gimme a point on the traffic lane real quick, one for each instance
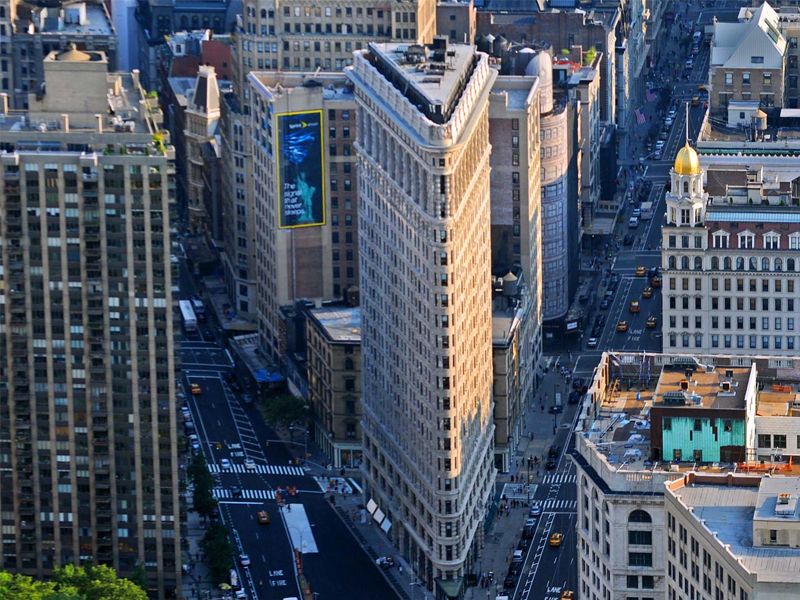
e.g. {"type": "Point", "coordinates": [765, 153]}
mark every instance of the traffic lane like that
{"type": "Point", "coordinates": [267, 546]}
{"type": "Point", "coordinates": [340, 554]}
{"type": "Point", "coordinates": [275, 449]}
{"type": "Point", "coordinates": [215, 415]}
{"type": "Point", "coordinates": [202, 355]}
{"type": "Point", "coordinates": [558, 570]}
{"type": "Point", "coordinates": [636, 321]}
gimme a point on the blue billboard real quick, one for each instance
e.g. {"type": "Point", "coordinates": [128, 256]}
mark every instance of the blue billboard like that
{"type": "Point", "coordinates": [301, 168]}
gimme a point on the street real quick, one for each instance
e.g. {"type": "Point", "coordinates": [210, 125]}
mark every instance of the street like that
{"type": "Point", "coordinates": [228, 429]}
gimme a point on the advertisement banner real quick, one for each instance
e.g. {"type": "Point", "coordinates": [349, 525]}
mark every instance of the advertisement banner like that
{"type": "Point", "coordinates": [301, 169]}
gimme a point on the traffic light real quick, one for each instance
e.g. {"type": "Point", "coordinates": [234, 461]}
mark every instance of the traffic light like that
{"type": "Point", "coordinates": [219, 446]}
{"type": "Point", "coordinates": [266, 443]}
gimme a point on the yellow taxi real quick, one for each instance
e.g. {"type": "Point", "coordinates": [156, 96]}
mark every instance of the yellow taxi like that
{"type": "Point", "coordinates": [567, 595]}
{"type": "Point", "coordinates": [556, 538]}
{"type": "Point", "coordinates": [622, 326]}
{"type": "Point", "coordinates": [634, 308]}
{"type": "Point", "coordinates": [195, 388]}
{"type": "Point", "coordinates": [641, 271]}
{"type": "Point", "coordinates": [263, 517]}
{"type": "Point", "coordinates": [655, 282]}
{"type": "Point", "coordinates": [647, 292]}
{"type": "Point", "coordinates": [695, 100]}
{"type": "Point", "coordinates": [701, 88]}
{"type": "Point", "coordinates": [651, 322]}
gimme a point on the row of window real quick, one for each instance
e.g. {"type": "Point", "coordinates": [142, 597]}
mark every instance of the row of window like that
{"type": "Point", "coordinates": [767, 342]}
{"type": "Point", "coordinates": [752, 264]}
{"type": "Point", "coordinates": [767, 440]}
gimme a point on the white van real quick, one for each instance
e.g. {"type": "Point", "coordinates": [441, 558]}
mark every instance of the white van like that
{"type": "Point", "coordinates": [633, 222]}
{"type": "Point", "coordinates": [517, 556]}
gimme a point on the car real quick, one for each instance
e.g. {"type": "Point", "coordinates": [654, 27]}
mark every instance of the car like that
{"type": "Point", "coordinates": [188, 427]}
{"type": "Point", "coordinates": [509, 582]}
{"type": "Point", "coordinates": [672, 112]}
{"type": "Point", "coordinates": [702, 89]}
{"type": "Point", "coordinates": [604, 304]}
{"type": "Point", "coordinates": [244, 560]}
{"type": "Point", "coordinates": [641, 271]}
{"type": "Point", "coordinates": [660, 144]}
{"type": "Point", "coordinates": [600, 320]}
{"type": "Point", "coordinates": [225, 464]}
{"type": "Point", "coordinates": [592, 343]}
{"type": "Point", "coordinates": [567, 595]}
{"type": "Point", "coordinates": [597, 331]}
{"type": "Point", "coordinates": [634, 307]}
{"type": "Point", "coordinates": [695, 51]}
{"type": "Point", "coordinates": [695, 100]}
{"type": "Point", "coordinates": [530, 522]}
{"type": "Point", "coordinates": [628, 240]}
{"type": "Point", "coordinates": [651, 322]}
{"type": "Point", "coordinates": [247, 398]}
{"type": "Point", "coordinates": [192, 437]}
{"type": "Point", "coordinates": [657, 154]}
{"type": "Point", "coordinates": [612, 287]}
{"type": "Point", "coordinates": [195, 449]}
{"type": "Point", "coordinates": [249, 463]}
{"type": "Point", "coordinates": [524, 544]}
{"type": "Point", "coordinates": [518, 556]}
{"type": "Point", "coordinates": [555, 410]}
{"type": "Point", "coordinates": [655, 282]}
{"type": "Point", "coordinates": [236, 491]}
{"type": "Point", "coordinates": [195, 389]}
{"type": "Point", "coordinates": [535, 510]}
{"type": "Point", "coordinates": [574, 397]}
{"type": "Point", "coordinates": [614, 278]}
{"type": "Point", "coordinates": [637, 212]}
{"type": "Point", "coordinates": [263, 517]}
{"type": "Point", "coordinates": [556, 539]}
{"type": "Point", "coordinates": [689, 64]}
{"type": "Point", "coordinates": [187, 415]}
{"type": "Point", "coordinates": [551, 463]}
{"type": "Point", "coordinates": [647, 292]}
{"type": "Point", "coordinates": [577, 383]}
{"type": "Point", "coordinates": [208, 336]}
{"type": "Point", "coordinates": [622, 326]}
{"type": "Point", "coordinates": [663, 135]}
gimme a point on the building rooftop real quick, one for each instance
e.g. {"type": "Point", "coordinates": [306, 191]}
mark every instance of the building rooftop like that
{"type": "Point", "coordinates": [82, 18]}
{"type": "Point", "coordinates": [735, 44]}
{"type": "Point", "coordinates": [431, 77]}
{"type": "Point", "coordinates": [728, 511]}
{"type": "Point", "coordinates": [335, 86]}
{"type": "Point", "coordinates": [778, 501]}
{"type": "Point", "coordinates": [720, 388]}
{"type": "Point", "coordinates": [340, 323]}
{"type": "Point", "coordinates": [755, 213]}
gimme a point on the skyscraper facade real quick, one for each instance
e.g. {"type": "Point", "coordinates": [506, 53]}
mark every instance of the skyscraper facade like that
{"type": "Point", "coordinates": [89, 466]}
{"type": "Point", "coordinates": [425, 256]}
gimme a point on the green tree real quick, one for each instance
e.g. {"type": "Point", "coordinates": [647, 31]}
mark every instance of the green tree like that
{"type": "Point", "coordinates": [202, 495]}
{"type": "Point", "coordinates": [20, 587]}
{"type": "Point", "coordinates": [139, 577]}
{"type": "Point", "coordinates": [97, 583]}
{"type": "Point", "coordinates": [219, 551]}
{"type": "Point", "coordinates": [284, 409]}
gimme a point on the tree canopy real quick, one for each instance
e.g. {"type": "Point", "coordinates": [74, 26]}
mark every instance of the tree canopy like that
{"type": "Point", "coordinates": [284, 409]}
{"type": "Point", "coordinates": [71, 583]}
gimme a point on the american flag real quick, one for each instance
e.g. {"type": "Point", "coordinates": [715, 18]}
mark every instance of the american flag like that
{"type": "Point", "coordinates": [651, 95]}
{"type": "Point", "coordinates": [641, 119]}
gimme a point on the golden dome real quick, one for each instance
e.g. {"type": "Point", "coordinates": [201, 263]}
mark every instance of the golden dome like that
{"type": "Point", "coordinates": [687, 162]}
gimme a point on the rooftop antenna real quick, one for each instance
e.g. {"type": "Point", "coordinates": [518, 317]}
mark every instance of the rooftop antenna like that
{"type": "Point", "coordinates": [687, 123]}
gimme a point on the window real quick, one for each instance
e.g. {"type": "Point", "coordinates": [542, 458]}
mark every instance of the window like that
{"type": "Point", "coordinates": [633, 582]}
{"type": "Point", "coordinates": [640, 559]}
{"type": "Point", "coordinates": [779, 441]}
{"type": "Point", "coordinates": [639, 516]}
{"type": "Point", "coordinates": [640, 538]}
{"type": "Point", "coordinates": [757, 60]}
{"type": "Point", "coordinates": [728, 78]}
{"type": "Point", "coordinates": [767, 79]}
{"type": "Point", "coordinates": [745, 78]}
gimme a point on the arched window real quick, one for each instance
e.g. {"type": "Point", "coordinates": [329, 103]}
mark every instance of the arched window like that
{"type": "Point", "coordinates": [790, 264]}
{"type": "Point", "coordinates": [184, 22]}
{"type": "Point", "coordinates": [698, 340]}
{"type": "Point", "coordinates": [714, 263]}
{"type": "Point", "coordinates": [739, 263]}
{"type": "Point", "coordinates": [778, 264]}
{"type": "Point", "coordinates": [685, 262]}
{"type": "Point", "coordinates": [765, 264]}
{"type": "Point", "coordinates": [594, 494]}
{"type": "Point", "coordinates": [728, 263]}
{"type": "Point", "coordinates": [698, 263]}
{"type": "Point", "coordinates": [672, 262]}
{"type": "Point", "coordinates": [694, 186]}
{"type": "Point", "coordinates": [263, 13]}
{"type": "Point", "coordinates": [639, 516]}
{"type": "Point", "coordinates": [685, 187]}
{"type": "Point", "coordinates": [753, 263]}
{"type": "Point", "coordinates": [348, 364]}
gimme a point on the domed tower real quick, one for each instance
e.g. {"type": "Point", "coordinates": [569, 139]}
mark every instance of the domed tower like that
{"type": "Point", "coordinates": [686, 200]}
{"type": "Point", "coordinates": [541, 66]}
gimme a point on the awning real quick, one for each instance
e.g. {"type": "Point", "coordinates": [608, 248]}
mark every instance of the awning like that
{"type": "Point", "coordinates": [790, 113]}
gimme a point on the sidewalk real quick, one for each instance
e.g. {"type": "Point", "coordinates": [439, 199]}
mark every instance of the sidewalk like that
{"type": "Point", "coordinates": [197, 584]}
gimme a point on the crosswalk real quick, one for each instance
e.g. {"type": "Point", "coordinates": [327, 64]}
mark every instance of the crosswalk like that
{"type": "Point", "coordinates": [225, 493]}
{"type": "Point", "coordinates": [262, 469]}
{"type": "Point", "coordinates": [559, 478]}
{"type": "Point", "coordinates": [550, 505]}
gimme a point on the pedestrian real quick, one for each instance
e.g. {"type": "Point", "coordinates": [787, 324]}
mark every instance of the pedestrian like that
{"type": "Point", "coordinates": [400, 568]}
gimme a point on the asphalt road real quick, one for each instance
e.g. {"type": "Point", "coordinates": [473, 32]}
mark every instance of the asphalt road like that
{"type": "Point", "coordinates": [227, 428]}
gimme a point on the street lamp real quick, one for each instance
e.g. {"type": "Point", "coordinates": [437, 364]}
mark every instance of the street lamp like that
{"type": "Point", "coordinates": [300, 532]}
{"type": "Point", "coordinates": [305, 440]}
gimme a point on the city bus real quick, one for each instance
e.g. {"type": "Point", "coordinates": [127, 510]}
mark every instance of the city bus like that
{"type": "Point", "coordinates": [189, 318]}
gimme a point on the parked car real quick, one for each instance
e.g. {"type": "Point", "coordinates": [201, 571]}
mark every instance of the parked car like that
{"type": "Point", "coordinates": [225, 464]}
{"type": "Point", "coordinates": [592, 343]}
{"type": "Point", "coordinates": [208, 335]}
{"type": "Point", "coordinates": [247, 398]}
{"type": "Point", "coordinates": [555, 410]}
{"type": "Point", "coordinates": [604, 304]}
{"type": "Point", "coordinates": [535, 510]}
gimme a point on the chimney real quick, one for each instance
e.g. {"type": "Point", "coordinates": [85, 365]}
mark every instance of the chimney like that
{"type": "Point", "coordinates": [3, 104]}
{"type": "Point", "coordinates": [65, 123]}
{"type": "Point", "coordinates": [99, 118]}
{"type": "Point", "coordinates": [135, 76]}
